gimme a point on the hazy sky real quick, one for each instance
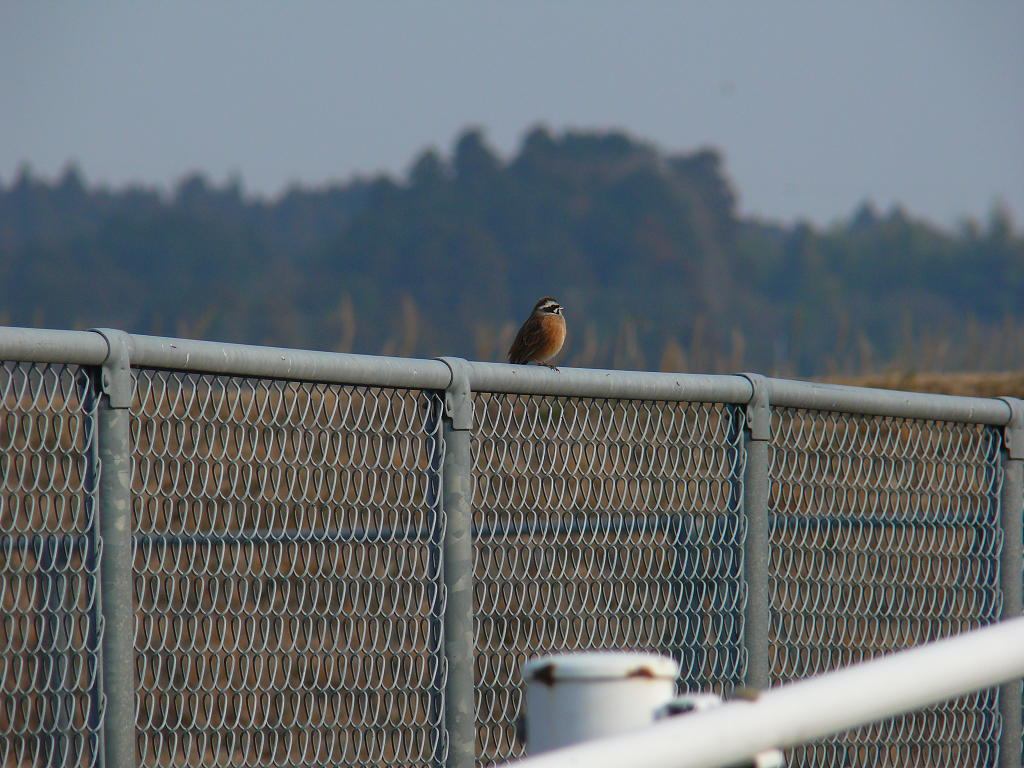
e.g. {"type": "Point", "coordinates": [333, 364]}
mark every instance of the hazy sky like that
{"type": "Point", "coordinates": [816, 105]}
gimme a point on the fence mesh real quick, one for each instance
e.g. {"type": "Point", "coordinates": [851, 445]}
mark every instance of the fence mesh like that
{"type": "Point", "coordinates": [287, 562]}
{"type": "Point", "coordinates": [603, 524]}
{"type": "Point", "coordinates": [885, 535]}
{"type": "Point", "coordinates": [50, 703]}
{"type": "Point", "coordinates": [287, 580]}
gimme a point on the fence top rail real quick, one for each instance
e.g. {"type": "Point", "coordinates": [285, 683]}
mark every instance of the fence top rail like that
{"type": "Point", "coordinates": [282, 363]}
{"type": "Point", "coordinates": [36, 345]}
{"type": "Point", "coordinates": [90, 348]}
{"type": "Point", "coordinates": [603, 383]}
{"type": "Point", "coordinates": [887, 402]}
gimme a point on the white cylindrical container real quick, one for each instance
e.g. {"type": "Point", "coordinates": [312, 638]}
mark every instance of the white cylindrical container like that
{"type": "Point", "coordinates": [574, 697]}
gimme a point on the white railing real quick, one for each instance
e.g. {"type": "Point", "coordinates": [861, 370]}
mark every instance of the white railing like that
{"type": "Point", "coordinates": [803, 711]}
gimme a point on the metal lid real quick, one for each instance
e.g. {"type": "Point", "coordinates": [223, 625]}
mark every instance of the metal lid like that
{"type": "Point", "coordinates": [600, 665]}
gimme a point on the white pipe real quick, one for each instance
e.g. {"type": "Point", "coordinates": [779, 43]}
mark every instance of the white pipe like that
{"type": "Point", "coordinates": [575, 697]}
{"type": "Point", "coordinates": [803, 711]}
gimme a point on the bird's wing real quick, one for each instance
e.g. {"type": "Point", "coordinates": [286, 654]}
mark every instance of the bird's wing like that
{"type": "Point", "coordinates": [528, 341]}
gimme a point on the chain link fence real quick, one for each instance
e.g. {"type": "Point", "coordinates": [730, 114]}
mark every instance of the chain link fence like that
{"type": "Point", "coordinates": [295, 597]}
{"type": "Point", "coordinates": [886, 534]}
{"type": "Point", "coordinates": [603, 524]}
{"type": "Point", "coordinates": [286, 572]}
{"type": "Point", "coordinates": [50, 627]}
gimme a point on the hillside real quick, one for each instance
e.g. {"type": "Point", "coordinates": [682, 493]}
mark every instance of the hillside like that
{"type": "Point", "coordinates": [646, 249]}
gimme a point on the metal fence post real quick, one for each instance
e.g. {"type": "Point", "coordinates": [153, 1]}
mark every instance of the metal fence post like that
{"type": "Point", "coordinates": [1010, 570]}
{"type": "Point", "coordinates": [755, 546]}
{"type": "Point", "coordinates": [457, 566]}
{"type": "Point", "coordinates": [115, 529]}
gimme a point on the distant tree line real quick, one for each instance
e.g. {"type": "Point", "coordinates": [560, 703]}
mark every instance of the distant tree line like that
{"type": "Point", "coordinates": [646, 250]}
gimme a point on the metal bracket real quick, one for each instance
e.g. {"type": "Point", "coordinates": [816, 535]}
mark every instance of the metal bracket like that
{"type": "Point", "coordinates": [759, 412]}
{"type": "Point", "coordinates": [1013, 432]}
{"type": "Point", "coordinates": [116, 377]}
{"type": "Point", "coordinates": [458, 399]}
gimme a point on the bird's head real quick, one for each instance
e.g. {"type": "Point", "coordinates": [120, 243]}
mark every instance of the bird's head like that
{"type": "Point", "coordinates": [547, 306]}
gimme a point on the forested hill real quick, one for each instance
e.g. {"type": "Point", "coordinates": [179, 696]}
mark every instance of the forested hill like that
{"type": "Point", "coordinates": [645, 249]}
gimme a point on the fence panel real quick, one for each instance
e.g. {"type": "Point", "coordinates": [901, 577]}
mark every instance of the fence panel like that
{"type": "Point", "coordinates": [289, 547]}
{"type": "Point", "coordinates": [603, 524]}
{"type": "Point", "coordinates": [287, 575]}
{"type": "Point", "coordinates": [50, 634]}
{"type": "Point", "coordinates": [885, 536]}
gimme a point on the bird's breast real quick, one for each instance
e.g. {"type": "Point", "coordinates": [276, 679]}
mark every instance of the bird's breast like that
{"type": "Point", "coordinates": [554, 336]}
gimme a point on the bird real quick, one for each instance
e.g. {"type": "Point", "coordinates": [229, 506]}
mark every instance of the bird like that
{"type": "Point", "coordinates": [541, 336]}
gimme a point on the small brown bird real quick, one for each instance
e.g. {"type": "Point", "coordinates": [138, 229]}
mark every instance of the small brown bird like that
{"type": "Point", "coordinates": [541, 336]}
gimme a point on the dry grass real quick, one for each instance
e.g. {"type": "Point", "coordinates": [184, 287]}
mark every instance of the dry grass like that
{"type": "Point", "coordinates": [995, 384]}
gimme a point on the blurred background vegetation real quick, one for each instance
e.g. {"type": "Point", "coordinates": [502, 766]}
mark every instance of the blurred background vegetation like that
{"type": "Point", "coordinates": [647, 251]}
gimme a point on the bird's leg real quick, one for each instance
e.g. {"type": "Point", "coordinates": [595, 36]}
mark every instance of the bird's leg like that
{"type": "Point", "coordinates": [552, 367]}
